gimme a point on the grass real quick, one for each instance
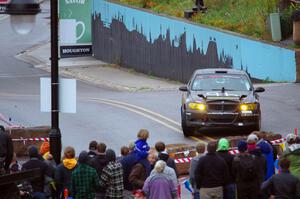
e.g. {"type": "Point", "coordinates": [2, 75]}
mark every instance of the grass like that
{"type": "Point", "coordinates": [247, 17]}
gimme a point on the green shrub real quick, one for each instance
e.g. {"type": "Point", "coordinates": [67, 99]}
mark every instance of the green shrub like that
{"type": "Point", "coordinates": [248, 17]}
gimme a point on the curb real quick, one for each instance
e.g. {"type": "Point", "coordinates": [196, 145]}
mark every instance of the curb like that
{"type": "Point", "coordinates": [65, 69]}
{"type": "Point", "coordinates": [30, 59]}
{"type": "Point", "coordinates": [3, 16]}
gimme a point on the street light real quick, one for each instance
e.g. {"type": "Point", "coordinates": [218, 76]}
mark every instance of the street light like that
{"type": "Point", "coordinates": [22, 20]}
{"type": "Point", "coordinates": [22, 15]}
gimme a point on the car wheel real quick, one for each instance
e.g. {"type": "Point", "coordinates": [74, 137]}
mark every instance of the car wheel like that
{"type": "Point", "coordinates": [187, 131]}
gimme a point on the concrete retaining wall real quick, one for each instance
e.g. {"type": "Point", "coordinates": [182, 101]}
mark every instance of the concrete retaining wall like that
{"type": "Point", "coordinates": [174, 48]}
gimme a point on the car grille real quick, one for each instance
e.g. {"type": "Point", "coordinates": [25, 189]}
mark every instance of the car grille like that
{"type": "Point", "coordinates": [222, 106]}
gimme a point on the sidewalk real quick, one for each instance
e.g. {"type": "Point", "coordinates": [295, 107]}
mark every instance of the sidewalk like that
{"type": "Point", "coordinates": [93, 71]}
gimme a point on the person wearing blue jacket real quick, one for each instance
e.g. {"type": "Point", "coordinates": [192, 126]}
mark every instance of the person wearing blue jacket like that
{"type": "Point", "coordinates": [267, 152]}
{"type": "Point", "coordinates": [141, 146]}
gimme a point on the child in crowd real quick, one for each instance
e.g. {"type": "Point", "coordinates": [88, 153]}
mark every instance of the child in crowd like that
{"type": "Point", "coordinates": [141, 145]}
{"type": "Point", "coordinates": [124, 152]}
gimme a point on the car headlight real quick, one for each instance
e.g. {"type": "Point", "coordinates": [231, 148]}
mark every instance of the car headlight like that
{"type": "Point", "coordinates": [248, 107]}
{"type": "Point", "coordinates": [197, 106]}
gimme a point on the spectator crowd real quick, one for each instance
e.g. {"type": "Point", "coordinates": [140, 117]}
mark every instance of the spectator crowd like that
{"type": "Point", "coordinates": [258, 171]}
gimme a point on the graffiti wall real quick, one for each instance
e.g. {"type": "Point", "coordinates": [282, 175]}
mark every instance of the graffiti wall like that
{"type": "Point", "coordinates": [173, 49]}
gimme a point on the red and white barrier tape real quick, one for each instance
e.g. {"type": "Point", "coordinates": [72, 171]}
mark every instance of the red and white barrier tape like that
{"type": "Point", "coordinates": [279, 141]}
{"type": "Point", "coordinates": [234, 151]}
{"type": "Point", "coordinates": [183, 160]}
{"type": "Point", "coordinates": [21, 139]}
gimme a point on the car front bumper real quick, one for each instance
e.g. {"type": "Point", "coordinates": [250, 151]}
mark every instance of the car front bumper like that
{"type": "Point", "coordinates": [222, 119]}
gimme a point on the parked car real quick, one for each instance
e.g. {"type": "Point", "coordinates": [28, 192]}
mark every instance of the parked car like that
{"type": "Point", "coordinates": [220, 98]}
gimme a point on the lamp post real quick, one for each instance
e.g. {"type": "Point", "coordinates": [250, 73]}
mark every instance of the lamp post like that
{"type": "Point", "coordinates": [22, 14]}
{"type": "Point", "coordinates": [55, 136]}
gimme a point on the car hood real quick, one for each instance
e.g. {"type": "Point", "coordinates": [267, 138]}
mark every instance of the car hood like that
{"type": "Point", "coordinates": [219, 95]}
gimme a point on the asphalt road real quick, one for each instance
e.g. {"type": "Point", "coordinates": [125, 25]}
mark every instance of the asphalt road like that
{"type": "Point", "coordinates": [107, 115]}
{"type": "Point", "coordinates": [111, 116]}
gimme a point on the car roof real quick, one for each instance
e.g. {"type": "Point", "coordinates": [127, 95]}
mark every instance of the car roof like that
{"type": "Point", "coordinates": [220, 70]}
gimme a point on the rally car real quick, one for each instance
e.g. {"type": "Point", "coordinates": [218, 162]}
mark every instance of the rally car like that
{"type": "Point", "coordinates": [220, 98]}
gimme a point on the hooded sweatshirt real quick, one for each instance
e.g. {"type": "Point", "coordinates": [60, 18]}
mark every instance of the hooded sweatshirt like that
{"type": "Point", "coordinates": [98, 163]}
{"type": "Point", "coordinates": [267, 151]}
{"type": "Point", "coordinates": [141, 149]}
{"type": "Point", "coordinates": [63, 174]}
{"type": "Point", "coordinates": [222, 151]}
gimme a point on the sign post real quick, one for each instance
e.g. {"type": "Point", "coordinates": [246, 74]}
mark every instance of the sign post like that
{"type": "Point", "coordinates": [75, 28]}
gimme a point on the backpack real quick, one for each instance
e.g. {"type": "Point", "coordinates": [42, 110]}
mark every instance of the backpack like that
{"type": "Point", "coordinates": [247, 170]}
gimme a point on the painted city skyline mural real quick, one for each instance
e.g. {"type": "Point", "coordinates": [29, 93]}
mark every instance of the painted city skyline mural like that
{"type": "Point", "coordinates": [172, 48]}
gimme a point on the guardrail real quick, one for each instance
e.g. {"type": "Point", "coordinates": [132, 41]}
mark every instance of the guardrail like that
{"type": "Point", "coordinates": [20, 176]}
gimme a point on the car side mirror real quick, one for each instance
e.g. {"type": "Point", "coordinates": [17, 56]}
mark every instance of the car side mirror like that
{"type": "Point", "coordinates": [259, 90]}
{"type": "Point", "coordinates": [183, 88]}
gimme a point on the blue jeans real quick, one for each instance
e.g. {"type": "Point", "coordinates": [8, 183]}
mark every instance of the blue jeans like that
{"type": "Point", "coordinates": [230, 191]}
{"type": "Point", "coordinates": [196, 195]}
{"type": "Point", "coordinates": [39, 195]}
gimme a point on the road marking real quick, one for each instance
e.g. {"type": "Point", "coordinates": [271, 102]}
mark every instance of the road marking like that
{"type": "Point", "coordinates": [21, 75]}
{"type": "Point", "coordinates": [153, 113]}
{"type": "Point", "coordinates": [132, 108]}
{"type": "Point", "coordinates": [3, 94]}
{"type": "Point", "coordinates": [138, 112]}
{"type": "Point", "coordinates": [146, 113]}
{"type": "Point", "coordinates": [209, 138]}
{"type": "Point", "coordinates": [198, 139]}
{"type": "Point", "coordinates": [140, 108]}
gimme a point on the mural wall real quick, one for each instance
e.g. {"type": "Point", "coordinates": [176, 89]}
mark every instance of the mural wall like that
{"type": "Point", "coordinates": [173, 49]}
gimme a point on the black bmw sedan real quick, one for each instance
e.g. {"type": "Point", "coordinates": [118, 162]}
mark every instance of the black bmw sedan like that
{"type": "Point", "coordinates": [220, 98]}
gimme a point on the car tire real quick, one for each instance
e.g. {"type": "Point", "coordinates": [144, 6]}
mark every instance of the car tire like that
{"type": "Point", "coordinates": [187, 131]}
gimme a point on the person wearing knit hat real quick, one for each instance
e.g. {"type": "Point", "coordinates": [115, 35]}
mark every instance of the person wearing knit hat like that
{"type": "Point", "coordinates": [84, 179]}
{"type": "Point", "coordinates": [223, 145]}
{"type": "Point", "coordinates": [245, 172]}
{"type": "Point", "coordinates": [36, 162]}
{"type": "Point", "coordinates": [112, 176]}
{"type": "Point", "coordinates": [222, 151]}
{"type": "Point", "coordinates": [242, 146]}
{"type": "Point", "coordinates": [93, 149]}
{"type": "Point", "coordinates": [251, 142]}
{"type": "Point", "coordinates": [33, 152]}
{"type": "Point", "coordinates": [252, 138]}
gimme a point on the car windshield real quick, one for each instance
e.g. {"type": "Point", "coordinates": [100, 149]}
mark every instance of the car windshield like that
{"type": "Point", "coordinates": [217, 82]}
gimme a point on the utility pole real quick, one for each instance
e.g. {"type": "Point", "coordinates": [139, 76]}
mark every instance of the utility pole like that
{"type": "Point", "coordinates": [55, 135]}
